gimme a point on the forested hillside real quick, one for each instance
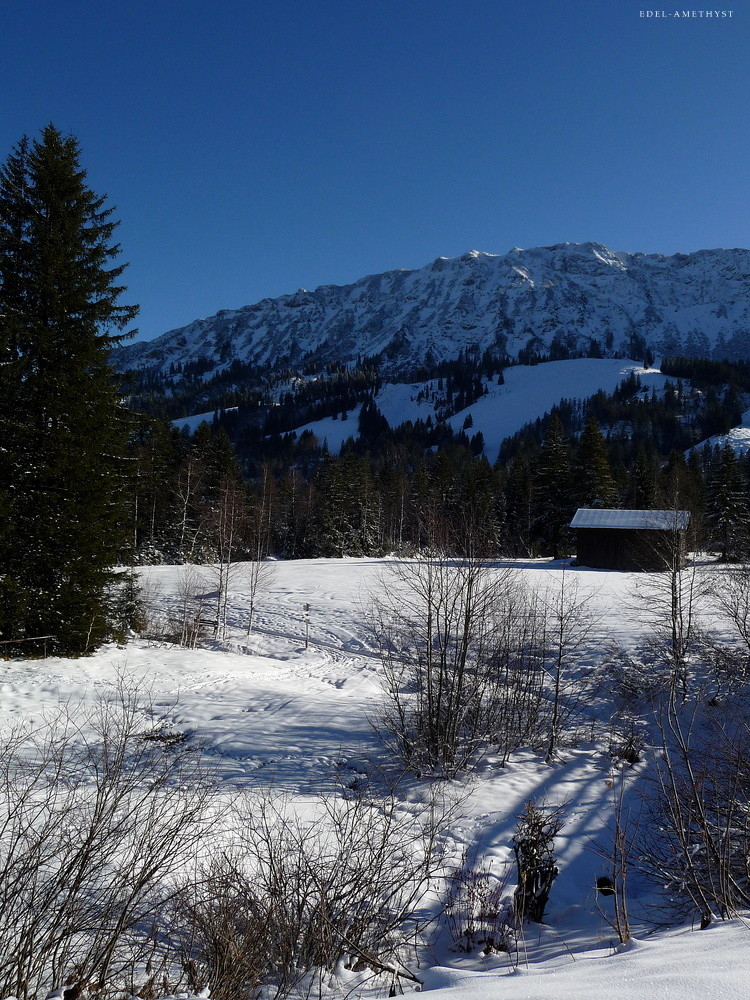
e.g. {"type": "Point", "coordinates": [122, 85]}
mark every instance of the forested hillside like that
{"type": "Point", "coordinates": [394, 488]}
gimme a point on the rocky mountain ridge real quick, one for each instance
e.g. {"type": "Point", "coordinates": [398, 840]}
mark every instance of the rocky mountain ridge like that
{"type": "Point", "coordinates": [569, 299]}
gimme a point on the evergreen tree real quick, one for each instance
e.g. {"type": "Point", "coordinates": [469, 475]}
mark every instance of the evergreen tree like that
{"type": "Point", "coordinates": [553, 509]}
{"type": "Point", "coordinates": [727, 510]}
{"type": "Point", "coordinates": [62, 428]}
{"type": "Point", "coordinates": [519, 490]}
{"type": "Point", "coordinates": [593, 483]}
{"type": "Point", "coordinates": [642, 482]}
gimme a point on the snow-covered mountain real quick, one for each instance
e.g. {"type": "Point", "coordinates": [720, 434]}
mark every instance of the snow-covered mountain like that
{"type": "Point", "coordinates": [570, 294]}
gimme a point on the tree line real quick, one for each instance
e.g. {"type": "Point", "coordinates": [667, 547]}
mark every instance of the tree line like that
{"type": "Point", "coordinates": [400, 489]}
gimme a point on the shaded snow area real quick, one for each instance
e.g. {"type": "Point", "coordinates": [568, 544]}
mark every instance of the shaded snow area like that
{"type": "Point", "coordinates": [289, 709]}
{"type": "Point", "coordinates": [738, 438]}
{"type": "Point", "coordinates": [529, 392]}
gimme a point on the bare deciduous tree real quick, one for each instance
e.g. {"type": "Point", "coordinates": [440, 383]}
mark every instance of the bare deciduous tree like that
{"type": "Point", "coordinates": [188, 529]}
{"type": "Point", "coordinates": [473, 661]}
{"type": "Point", "coordinates": [519, 662]}
{"type": "Point", "coordinates": [617, 854]}
{"type": "Point", "coordinates": [569, 623]}
{"type": "Point", "coordinates": [669, 602]}
{"type": "Point", "coordinates": [257, 571]}
{"type": "Point", "coordinates": [437, 626]}
{"type": "Point", "coordinates": [226, 531]}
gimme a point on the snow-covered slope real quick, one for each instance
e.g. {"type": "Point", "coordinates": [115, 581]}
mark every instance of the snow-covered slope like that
{"type": "Point", "coordinates": [695, 304]}
{"type": "Point", "coordinates": [738, 438]}
{"type": "Point", "coordinates": [529, 391]}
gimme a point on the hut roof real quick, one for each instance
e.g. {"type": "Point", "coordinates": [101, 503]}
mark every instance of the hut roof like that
{"type": "Point", "coordinates": [649, 520]}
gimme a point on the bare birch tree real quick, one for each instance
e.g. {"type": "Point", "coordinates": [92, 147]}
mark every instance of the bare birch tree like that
{"type": "Point", "coordinates": [257, 571]}
{"type": "Point", "coordinates": [569, 623]}
{"type": "Point", "coordinates": [227, 527]}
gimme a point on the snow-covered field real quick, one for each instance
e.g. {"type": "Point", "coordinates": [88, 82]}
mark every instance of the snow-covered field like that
{"type": "Point", "coordinates": [289, 707]}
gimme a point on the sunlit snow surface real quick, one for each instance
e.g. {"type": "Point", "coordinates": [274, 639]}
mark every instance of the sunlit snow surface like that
{"type": "Point", "coordinates": [273, 713]}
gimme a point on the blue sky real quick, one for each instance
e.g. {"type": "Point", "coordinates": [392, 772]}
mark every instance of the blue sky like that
{"type": "Point", "coordinates": [253, 148]}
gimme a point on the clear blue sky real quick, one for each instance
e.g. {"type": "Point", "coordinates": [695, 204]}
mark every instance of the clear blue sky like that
{"type": "Point", "coordinates": [253, 148]}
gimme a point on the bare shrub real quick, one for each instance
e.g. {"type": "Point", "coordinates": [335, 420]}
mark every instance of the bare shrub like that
{"type": "Point", "coordinates": [627, 736]}
{"type": "Point", "coordinates": [191, 616]}
{"type": "Point", "coordinates": [636, 681]}
{"type": "Point", "coordinates": [95, 822]}
{"type": "Point", "coordinates": [700, 804]}
{"type": "Point", "coordinates": [297, 896]}
{"type": "Point", "coordinates": [463, 653]}
{"type": "Point", "coordinates": [476, 907]}
{"type": "Point", "coordinates": [219, 932]}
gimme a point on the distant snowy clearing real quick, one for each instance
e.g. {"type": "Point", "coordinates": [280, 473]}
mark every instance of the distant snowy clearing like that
{"type": "Point", "coordinates": [529, 392]}
{"type": "Point", "coordinates": [738, 438]}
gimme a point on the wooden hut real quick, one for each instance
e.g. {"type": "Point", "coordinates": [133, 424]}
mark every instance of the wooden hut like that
{"type": "Point", "coordinates": [631, 540]}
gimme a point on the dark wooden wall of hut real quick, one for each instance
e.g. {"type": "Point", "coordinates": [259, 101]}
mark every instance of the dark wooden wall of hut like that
{"type": "Point", "coordinates": [629, 550]}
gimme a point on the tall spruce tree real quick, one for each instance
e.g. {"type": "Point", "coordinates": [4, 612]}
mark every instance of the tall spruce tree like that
{"type": "Point", "coordinates": [62, 428]}
{"type": "Point", "coordinates": [593, 483]}
{"type": "Point", "coordinates": [553, 508]}
{"type": "Point", "coordinates": [727, 507]}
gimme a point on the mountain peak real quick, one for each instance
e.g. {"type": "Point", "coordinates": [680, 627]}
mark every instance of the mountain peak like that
{"type": "Point", "coordinates": [562, 298]}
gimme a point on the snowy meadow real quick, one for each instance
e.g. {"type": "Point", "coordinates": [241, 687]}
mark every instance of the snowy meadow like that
{"type": "Point", "coordinates": [311, 845]}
